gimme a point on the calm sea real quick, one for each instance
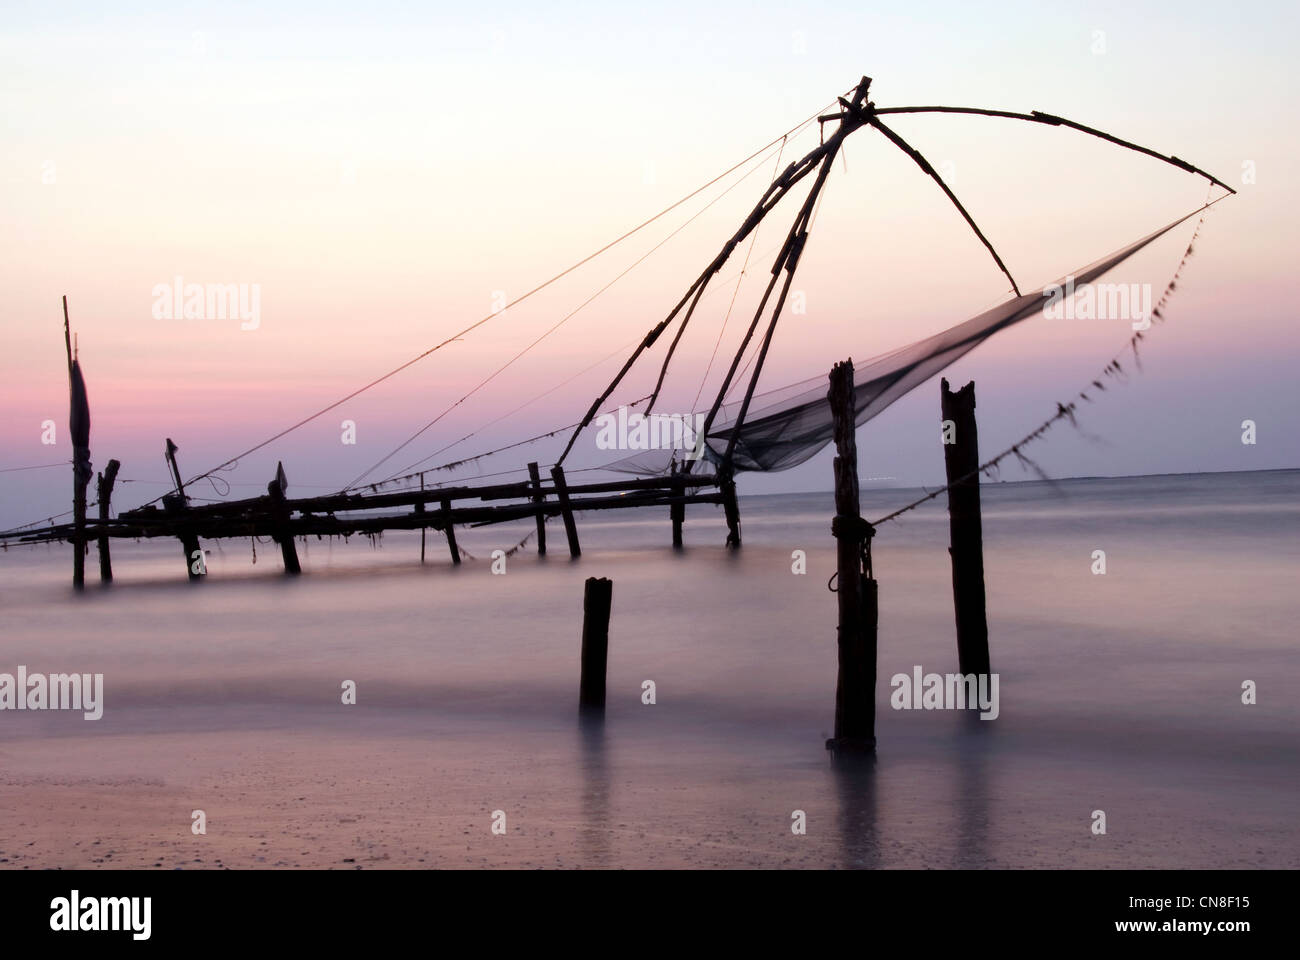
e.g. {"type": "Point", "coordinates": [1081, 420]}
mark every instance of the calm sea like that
{"type": "Point", "coordinates": [1119, 692]}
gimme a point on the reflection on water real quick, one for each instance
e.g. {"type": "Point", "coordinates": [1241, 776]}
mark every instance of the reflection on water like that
{"type": "Point", "coordinates": [593, 829]}
{"type": "Point", "coordinates": [855, 784]}
{"type": "Point", "coordinates": [972, 795]}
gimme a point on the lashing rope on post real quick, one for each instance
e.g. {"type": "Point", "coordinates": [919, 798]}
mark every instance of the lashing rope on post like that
{"type": "Point", "coordinates": [853, 528]}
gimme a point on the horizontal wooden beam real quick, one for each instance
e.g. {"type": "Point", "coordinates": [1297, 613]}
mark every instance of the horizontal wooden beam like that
{"type": "Point", "coordinates": [336, 503]}
{"type": "Point", "coordinates": [266, 523]}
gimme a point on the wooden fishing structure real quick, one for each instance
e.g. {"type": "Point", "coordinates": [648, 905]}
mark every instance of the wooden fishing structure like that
{"type": "Point", "coordinates": [773, 438]}
{"type": "Point", "coordinates": [732, 441]}
{"type": "Point", "coordinates": [283, 519]}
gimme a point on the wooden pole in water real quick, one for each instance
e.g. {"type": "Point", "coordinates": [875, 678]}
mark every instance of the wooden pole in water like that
{"type": "Point", "coordinates": [855, 689]}
{"type": "Point", "coordinates": [283, 535]}
{"type": "Point", "coordinates": [534, 474]}
{"type": "Point", "coordinates": [562, 494]}
{"type": "Point", "coordinates": [596, 602]}
{"type": "Point", "coordinates": [176, 503]}
{"type": "Point", "coordinates": [450, 530]}
{"type": "Point", "coordinates": [961, 459]}
{"type": "Point", "coordinates": [730, 509]}
{"type": "Point", "coordinates": [79, 428]}
{"type": "Point", "coordinates": [677, 512]}
{"type": "Point", "coordinates": [419, 508]}
{"type": "Point", "coordinates": [79, 534]}
{"type": "Point", "coordinates": [104, 494]}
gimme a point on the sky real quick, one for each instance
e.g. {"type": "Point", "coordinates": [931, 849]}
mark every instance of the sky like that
{"type": "Point", "coordinates": [383, 176]}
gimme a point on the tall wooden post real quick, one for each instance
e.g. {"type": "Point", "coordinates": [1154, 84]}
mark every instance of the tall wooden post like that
{"type": "Point", "coordinates": [79, 484]}
{"type": "Point", "coordinates": [730, 509]}
{"type": "Point", "coordinates": [176, 503]}
{"type": "Point", "coordinates": [283, 534]}
{"type": "Point", "coordinates": [450, 530]}
{"type": "Point", "coordinates": [677, 512]}
{"type": "Point", "coordinates": [79, 429]}
{"type": "Point", "coordinates": [961, 459]}
{"type": "Point", "coordinates": [562, 494]}
{"type": "Point", "coordinates": [596, 602]}
{"type": "Point", "coordinates": [419, 508]}
{"type": "Point", "coordinates": [104, 494]}
{"type": "Point", "coordinates": [534, 474]}
{"type": "Point", "coordinates": [855, 689]}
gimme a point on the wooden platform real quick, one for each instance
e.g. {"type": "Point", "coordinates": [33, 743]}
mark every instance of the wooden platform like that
{"type": "Point", "coordinates": [437, 508]}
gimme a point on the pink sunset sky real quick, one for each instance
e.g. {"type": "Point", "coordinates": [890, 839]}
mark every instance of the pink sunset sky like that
{"type": "Point", "coordinates": [384, 176]}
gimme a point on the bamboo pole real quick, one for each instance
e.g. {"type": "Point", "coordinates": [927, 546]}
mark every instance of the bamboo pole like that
{"type": "Point", "coordinates": [851, 119]}
{"type": "Point", "coordinates": [776, 191]}
{"type": "Point", "coordinates": [1037, 116]}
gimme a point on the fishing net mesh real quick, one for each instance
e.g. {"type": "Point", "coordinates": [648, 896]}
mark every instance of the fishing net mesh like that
{"type": "Point", "coordinates": [795, 422]}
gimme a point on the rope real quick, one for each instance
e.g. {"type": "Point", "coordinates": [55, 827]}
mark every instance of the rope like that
{"type": "Point", "coordinates": [510, 413]}
{"type": "Point", "coordinates": [405, 474]}
{"type": "Point", "coordinates": [520, 299]}
{"type": "Point", "coordinates": [509, 553]}
{"type": "Point", "coordinates": [37, 466]}
{"type": "Point", "coordinates": [510, 446]}
{"type": "Point", "coordinates": [744, 267]}
{"type": "Point", "coordinates": [492, 376]}
{"type": "Point", "coordinates": [1066, 411]}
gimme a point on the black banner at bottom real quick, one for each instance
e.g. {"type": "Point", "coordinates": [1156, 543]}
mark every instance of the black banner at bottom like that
{"type": "Point", "coordinates": [982, 909]}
